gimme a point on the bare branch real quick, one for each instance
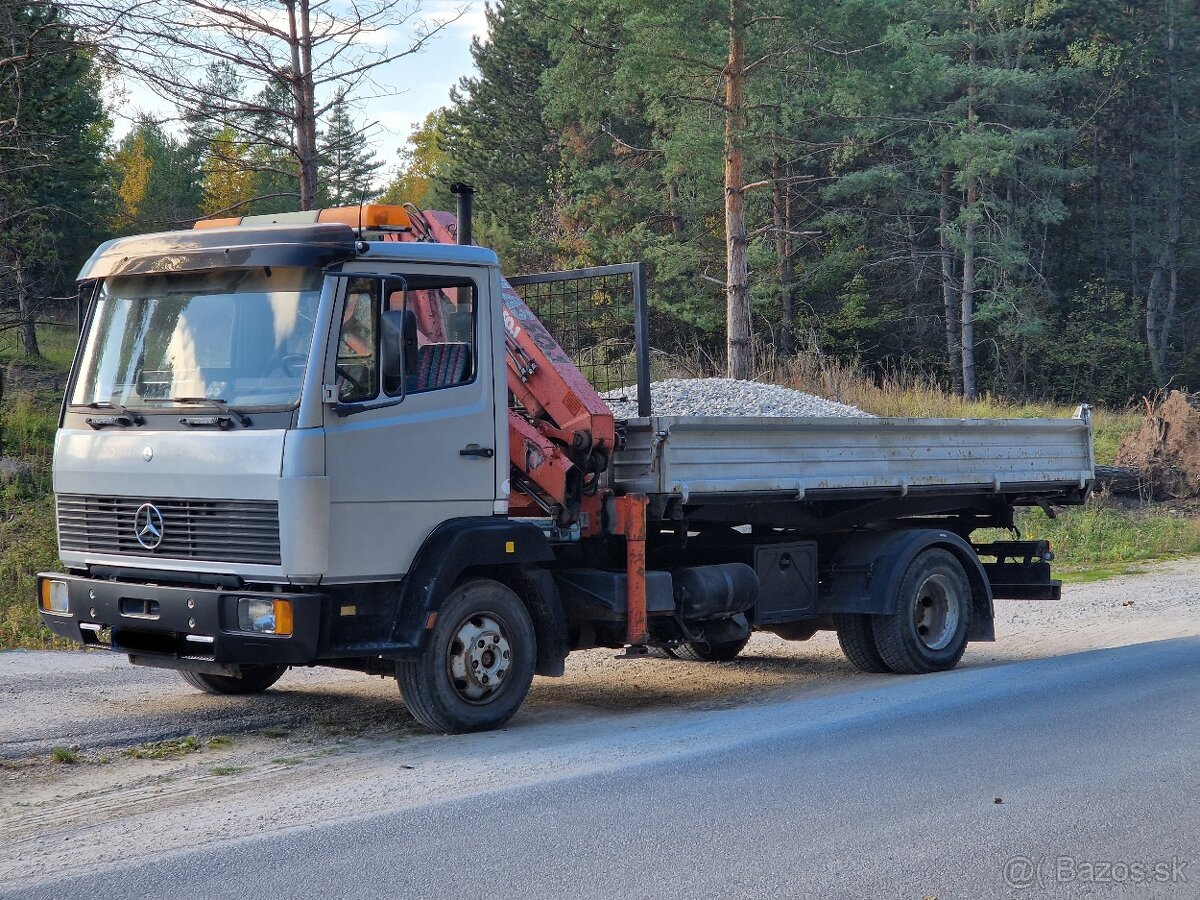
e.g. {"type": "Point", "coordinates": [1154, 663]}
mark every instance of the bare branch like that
{"type": "Point", "coordinates": [311, 53]}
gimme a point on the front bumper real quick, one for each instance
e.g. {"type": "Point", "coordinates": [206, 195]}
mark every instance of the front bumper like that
{"type": "Point", "coordinates": [180, 626]}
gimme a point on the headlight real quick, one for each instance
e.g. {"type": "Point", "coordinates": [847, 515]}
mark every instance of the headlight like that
{"type": "Point", "coordinates": [265, 615]}
{"type": "Point", "coordinates": [54, 596]}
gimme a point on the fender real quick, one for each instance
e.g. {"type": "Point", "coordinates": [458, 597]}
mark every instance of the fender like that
{"type": "Point", "coordinates": [454, 547]}
{"type": "Point", "coordinates": [866, 572]}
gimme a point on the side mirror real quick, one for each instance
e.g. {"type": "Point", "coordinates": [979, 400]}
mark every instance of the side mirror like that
{"type": "Point", "coordinates": [398, 348]}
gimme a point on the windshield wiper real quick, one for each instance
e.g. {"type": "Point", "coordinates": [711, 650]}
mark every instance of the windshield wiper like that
{"type": "Point", "coordinates": [127, 416]}
{"type": "Point", "coordinates": [240, 417]}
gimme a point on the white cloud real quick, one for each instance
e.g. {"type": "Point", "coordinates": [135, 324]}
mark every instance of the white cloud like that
{"type": "Point", "coordinates": [382, 38]}
{"type": "Point", "coordinates": [472, 23]}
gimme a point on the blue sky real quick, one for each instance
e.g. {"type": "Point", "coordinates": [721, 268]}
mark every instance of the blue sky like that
{"type": "Point", "coordinates": [414, 85]}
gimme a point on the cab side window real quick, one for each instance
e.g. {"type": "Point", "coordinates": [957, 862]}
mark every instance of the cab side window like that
{"type": "Point", "coordinates": [446, 313]}
{"type": "Point", "coordinates": [358, 343]}
{"type": "Point", "coordinates": [434, 316]}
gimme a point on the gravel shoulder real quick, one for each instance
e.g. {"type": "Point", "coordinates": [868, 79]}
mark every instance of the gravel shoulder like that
{"type": "Point", "coordinates": [328, 746]}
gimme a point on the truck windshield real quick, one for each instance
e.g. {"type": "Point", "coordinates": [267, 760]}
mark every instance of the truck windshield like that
{"type": "Point", "coordinates": [240, 336]}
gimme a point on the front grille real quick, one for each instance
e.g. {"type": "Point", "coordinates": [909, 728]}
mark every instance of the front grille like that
{"type": "Point", "coordinates": [244, 531]}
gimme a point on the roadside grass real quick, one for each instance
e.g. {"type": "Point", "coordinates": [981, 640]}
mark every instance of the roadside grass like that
{"type": "Point", "coordinates": [911, 395]}
{"type": "Point", "coordinates": [1102, 540]}
{"type": "Point", "coordinates": [64, 755]}
{"type": "Point", "coordinates": [28, 419]}
{"type": "Point", "coordinates": [27, 546]}
{"type": "Point", "coordinates": [168, 749]}
{"type": "Point", "coordinates": [56, 340]}
{"type": "Point", "coordinates": [1096, 573]}
{"type": "Point", "coordinates": [332, 727]}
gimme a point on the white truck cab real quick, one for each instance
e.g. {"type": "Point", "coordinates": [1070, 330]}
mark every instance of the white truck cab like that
{"type": "Point", "coordinates": [231, 395]}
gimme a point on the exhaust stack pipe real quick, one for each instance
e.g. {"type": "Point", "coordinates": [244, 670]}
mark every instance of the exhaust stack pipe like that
{"type": "Point", "coordinates": [465, 194]}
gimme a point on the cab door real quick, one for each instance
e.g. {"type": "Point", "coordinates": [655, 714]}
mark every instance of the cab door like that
{"type": "Point", "coordinates": [408, 450]}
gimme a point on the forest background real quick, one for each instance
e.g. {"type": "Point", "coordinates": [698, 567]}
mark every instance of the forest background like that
{"type": "Point", "coordinates": [997, 195]}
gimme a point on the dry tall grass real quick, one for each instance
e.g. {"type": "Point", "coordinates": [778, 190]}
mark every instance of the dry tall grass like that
{"type": "Point", "coordinates": [901, 394]}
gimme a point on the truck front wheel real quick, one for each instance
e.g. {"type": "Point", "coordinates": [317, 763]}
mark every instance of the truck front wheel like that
{"type": "Point", "coordinates": [478, 666]}
{"type": "Point", "coordinates": [253, 680]}
{"type": "Point", "coordinates": [928, 631]}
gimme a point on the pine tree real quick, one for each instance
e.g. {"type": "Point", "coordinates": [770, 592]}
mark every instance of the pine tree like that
{"type": "Point", "coordinates": [154, 180]}
{"type": "Point", "coordinates": [968, 165]}
{"type": "Point", "coordinates": [495, 135]}
{"type": "Point", "coordinates": [1141, 107]}
{"type": "Point", "coordinates": [313, 50]}
{"type": "Point", "coordinates": [52, 133]}
{"type": "Point", "coordinates": [270, 156]}
{"type": "Point", "coordinates": [349, 166]}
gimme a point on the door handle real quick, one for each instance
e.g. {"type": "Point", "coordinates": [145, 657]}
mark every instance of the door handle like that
{"type": "Point", "coordinates": [472, 450]}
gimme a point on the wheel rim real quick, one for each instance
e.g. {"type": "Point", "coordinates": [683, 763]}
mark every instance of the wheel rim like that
{"type": "Point", "coordinates": [936, 611]}
{"type": "Point", "coordinates": [480, 658]}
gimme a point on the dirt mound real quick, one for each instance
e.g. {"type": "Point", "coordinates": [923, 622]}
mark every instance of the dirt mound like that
{"type": "Point", "coordinates": [1166, 449]}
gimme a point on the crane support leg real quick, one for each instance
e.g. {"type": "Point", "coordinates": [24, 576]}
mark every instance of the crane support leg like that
{"type": "Point", "coordinates": [631, 522]}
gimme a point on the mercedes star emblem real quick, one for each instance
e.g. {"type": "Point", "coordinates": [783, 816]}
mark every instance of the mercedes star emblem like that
{"type": "Point", "coordinates": [148, 526]}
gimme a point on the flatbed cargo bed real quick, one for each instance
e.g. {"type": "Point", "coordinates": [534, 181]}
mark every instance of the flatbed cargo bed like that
{"type": "Point", "coordinates": [699, 458]}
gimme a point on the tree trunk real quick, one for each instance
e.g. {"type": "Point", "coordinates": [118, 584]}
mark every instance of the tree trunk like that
{"type": "Point", "coordinates": [1135, 276]}
{"type": "Point", "coordinates": [25, 307]}
{"type": "Point", "coordinates": [781, 216]}
{"type": "Point", "coordinates": [969, 390]}
{"type": "Point", "coordinates": [737, 277]}
{"type": "Point", "coordinates": [1162, 294]}
{"type": "Point", "coordinates": [949, 300]}
{"type": "Point", "coordinates": [1099, 220]}
{"type": "Point", "coordinates": [968, 275]}
{"type": "Point", "coordinates": [1175, 203]}
{"type": "Point", "coordinates": [675, 219]}
{"type": "Point", "coordinates": [304, 105]}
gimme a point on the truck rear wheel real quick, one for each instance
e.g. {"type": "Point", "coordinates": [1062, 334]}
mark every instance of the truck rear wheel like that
{"type": "Point", "coordinates": [253, 680]}
{"type": "Point", "coordinates": [928, 631]}
{"type": "Point", "coordinates": [714, 651]}
{"type": "Point", "coordinates": [478, 665]}
{"type": "Point", "coordinates": [855, 635]}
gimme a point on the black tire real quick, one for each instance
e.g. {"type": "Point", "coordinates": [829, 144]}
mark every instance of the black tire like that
{"type": "Point", "coordinates": [928, 631]}
{"type": "Point", "coordinates": [858, 642]}
{"type": "Point", "coordinates": [253, 680]}
{"type": "Point", "coordinates": [452, 687]}
{"type": "Point", "coordinates": [716, 651]}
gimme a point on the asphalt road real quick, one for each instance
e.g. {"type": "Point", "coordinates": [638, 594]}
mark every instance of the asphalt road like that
{"type": "Point", "coordinates": [1075, 776]}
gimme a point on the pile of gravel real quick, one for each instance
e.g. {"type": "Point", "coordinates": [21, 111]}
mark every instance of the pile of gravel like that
{"type": "Point", "coordinates": [726, 397]}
